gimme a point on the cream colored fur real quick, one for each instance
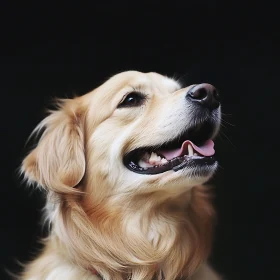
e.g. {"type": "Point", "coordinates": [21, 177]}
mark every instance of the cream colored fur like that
{"type": "Point", "coordinates": [102, 215]}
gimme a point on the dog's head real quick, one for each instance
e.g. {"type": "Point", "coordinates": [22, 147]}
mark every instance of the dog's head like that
{"type": "Point", "coordinates": [127, 147]}
{"type": "Point", "coordinates": [135, 133]}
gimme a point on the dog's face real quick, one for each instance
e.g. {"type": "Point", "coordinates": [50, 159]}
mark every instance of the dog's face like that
{"type": "Point", "coordinates": [135, 133]}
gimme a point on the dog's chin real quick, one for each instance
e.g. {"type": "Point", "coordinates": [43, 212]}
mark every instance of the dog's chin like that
{"type": "Point", "coordinates": [197, 175]}
{"type": "Point", "coordinates": [190, 153]}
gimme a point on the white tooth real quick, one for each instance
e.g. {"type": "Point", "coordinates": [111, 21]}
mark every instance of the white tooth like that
{"type": "Point", "coordinates": [190, 150]}
{"type": "Point", "coordinates": [144, 164]}
{"type": "Point", "coordinates": [195, 154]}
{"type": "Point", "coordinates": [164, 160]}
{"type": "Point", "coordinates": [153, 156]}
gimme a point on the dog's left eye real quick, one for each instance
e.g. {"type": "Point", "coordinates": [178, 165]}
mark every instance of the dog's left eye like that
{"type": "Point", "coordinates": [133, 99]}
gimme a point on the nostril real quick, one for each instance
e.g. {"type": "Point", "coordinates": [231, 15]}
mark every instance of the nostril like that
{"type": "Point", "coordinates": [216, 95]}
{"type": "Point", "coordinates": [199, 94]}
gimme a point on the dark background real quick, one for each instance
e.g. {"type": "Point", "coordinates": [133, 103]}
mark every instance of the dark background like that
{"type": "Point", "coordinates": [50, 50]}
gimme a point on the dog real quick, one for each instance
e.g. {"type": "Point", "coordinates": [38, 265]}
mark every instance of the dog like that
{"type": "Point", "coordinates": [124, 169]}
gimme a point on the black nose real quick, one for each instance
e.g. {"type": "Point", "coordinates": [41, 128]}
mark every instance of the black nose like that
{"type": "Point", "coordinates": [204, 94]}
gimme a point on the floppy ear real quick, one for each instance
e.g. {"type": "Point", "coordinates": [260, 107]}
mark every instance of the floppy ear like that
{"type": "Point", "coordinates": [58, 161]}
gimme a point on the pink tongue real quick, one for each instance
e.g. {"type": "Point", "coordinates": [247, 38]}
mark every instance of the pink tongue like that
{"type": "Point", "coordinates": [207, 149]}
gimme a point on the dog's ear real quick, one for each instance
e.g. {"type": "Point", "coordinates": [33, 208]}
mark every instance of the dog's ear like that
{"type": "Point", "coordinates": [58, 161]}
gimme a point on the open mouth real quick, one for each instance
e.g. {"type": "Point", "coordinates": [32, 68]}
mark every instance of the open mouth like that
{"type": "Point", "coordinates": [193, 148]}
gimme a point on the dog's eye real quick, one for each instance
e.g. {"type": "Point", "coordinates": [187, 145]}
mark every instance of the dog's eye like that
{"type": "Point", "coordinates": [132, 100]}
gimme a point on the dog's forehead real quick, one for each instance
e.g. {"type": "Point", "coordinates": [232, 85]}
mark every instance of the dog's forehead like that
{"type": "Point", "coordinates": [151, 80]}
{"type": "Point", "coordinates": [164, 82]}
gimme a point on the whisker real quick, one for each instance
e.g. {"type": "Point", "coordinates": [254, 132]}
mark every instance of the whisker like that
{"type": "Point", "coordinates": [226, 114]}
{"type": "Point", "coordinates": [221, 133]}
{"type": "Point", "coordinates": [222, 120]}
{"type": "Point", "coordinates": [226, 122]}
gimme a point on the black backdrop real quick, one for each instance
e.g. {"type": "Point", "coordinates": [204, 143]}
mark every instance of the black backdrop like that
{"type": "Point", "coordinates": [50, 50]}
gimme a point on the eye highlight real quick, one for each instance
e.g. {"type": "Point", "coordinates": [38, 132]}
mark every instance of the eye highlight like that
{"type": "Point", "coordinates": [133, 99]}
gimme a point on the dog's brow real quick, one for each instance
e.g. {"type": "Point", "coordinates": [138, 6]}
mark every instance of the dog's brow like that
{"type": "Point", "coordinates": [139, 87]}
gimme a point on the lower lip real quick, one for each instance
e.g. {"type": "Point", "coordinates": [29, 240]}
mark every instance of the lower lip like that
{"type": "Point", "coordinates": [186, 162]}
{"type": "Point", "coordinates": [194, 162]}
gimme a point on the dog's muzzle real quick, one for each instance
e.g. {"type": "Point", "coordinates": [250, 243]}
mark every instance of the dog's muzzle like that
{"type": "Point", "coordinates": [192, 148]}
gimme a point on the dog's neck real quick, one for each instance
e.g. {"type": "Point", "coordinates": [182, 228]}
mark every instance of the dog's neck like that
{"type": "Point", "coordinates": [157, 214]}
{"type": "Point", "coordinates": [139, 237]}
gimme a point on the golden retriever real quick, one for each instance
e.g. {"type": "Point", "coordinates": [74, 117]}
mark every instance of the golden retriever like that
{"type": "Point", "coordinates": [123, 168]}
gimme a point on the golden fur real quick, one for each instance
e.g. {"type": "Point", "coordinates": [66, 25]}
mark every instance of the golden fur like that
{"type": "Point", "coordinates": [105, 217]}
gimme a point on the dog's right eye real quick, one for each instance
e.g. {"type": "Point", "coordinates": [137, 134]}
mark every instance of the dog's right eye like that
{"type": "Point", "coordinates": [133, 99]}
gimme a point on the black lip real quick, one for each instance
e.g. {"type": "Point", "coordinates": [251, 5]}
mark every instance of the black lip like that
{"type": "Point", "coordinates": [201, 163]}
